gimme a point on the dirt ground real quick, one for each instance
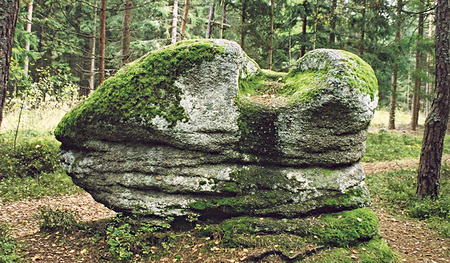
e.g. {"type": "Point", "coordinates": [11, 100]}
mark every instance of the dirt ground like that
{"type": "Point", "coordinates": [411, 239]}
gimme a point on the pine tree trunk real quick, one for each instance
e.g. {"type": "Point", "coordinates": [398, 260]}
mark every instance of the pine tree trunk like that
{"type": "Point", "coordinates": [101, 75]}
{"type": "Point", "coordinates": [243, 27]}
{"type": "Point", "coordinates": [210, 20]}
{"type": "Point", "coordinates": [174, 21]}
{"type": "Point", "coordinates": [185, 18]}
{"type": "Point", "coordinates": [271, 35]}
{"type": "Point", "coordinates": [417, 82]}
{"type": "Point", "coordinates": [27, 45]}
{"type": "Point", "coordinates": [92, 58]}
{"type": "Point", "coordinates": [333, 22]}
{"type": "Point", "coordinates": [9, 10]}
{"type": "Point", "coordinates": [316, 21]}
{"type": "Point", "coordinates": [126, 31]}
{"type": "Point", "coordinates": [436, 124]}
{"type": "Point", "coordinates": [393, 103]}
{"type": "Point", "coordinates": [224, 18]}
{"type": "Point", "coordinates": [363, 29]}
{"type": "Point", "coordinates": [304, 21]}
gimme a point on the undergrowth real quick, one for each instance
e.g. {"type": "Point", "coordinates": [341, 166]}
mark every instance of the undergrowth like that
{"type": "Point", "coordinates": [8, 246]}
{"type": "Point", "coordinates": [388, 146]}
{"type": "Point", "coordinates": [395, 192]}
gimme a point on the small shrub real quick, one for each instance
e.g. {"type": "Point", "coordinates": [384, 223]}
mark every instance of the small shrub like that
{"type": "Point", "coordinates": [29, 158]}
{"type": "Point", "coordinates": [57, 220]}
{"type": "Point", "coordinates": [128, 236]}
{"type": "Point", "coordinates": [8, 246]}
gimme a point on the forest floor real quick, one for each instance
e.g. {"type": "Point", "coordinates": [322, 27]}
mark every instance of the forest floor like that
{"type": "Point", "coordinates": [411, 239]}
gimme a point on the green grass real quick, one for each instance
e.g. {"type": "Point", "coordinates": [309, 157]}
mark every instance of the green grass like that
{"type": "Point", "coordinates": [29, 165]}
{"type": "Point", "coordinates": [395, 192]}
{"type": "Point", "coordinates": [388, 146]}
{"type": "Point", "coordinates": [8, 246]}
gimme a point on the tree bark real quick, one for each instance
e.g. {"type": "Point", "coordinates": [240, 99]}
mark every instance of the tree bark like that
{"type": "Point", "coordinates": [243, 27]}
{"type": "Point", "coordinates": [333, 22]}
{"type": "Point", "coordinates": [101, 75]}
{"type": "Point", "coordinates": [92, 45]}
{"type": "Point", "coordinates": [393, 103]}
{"type": "Point", "coordinates": [210, 20]}
{"type": "Point", "coordinates": [27, 45]}
{"type": "Point", "coordinates": [316, 21]}
{"type": "Point", "coordinates": [9, 10]}
{"type": "Point", "coordinates": [271, 34]}
{"type": "Point", "coordinates": [417, 82]}
{"type": "Point", "coordinates": [363, 29]}
{"type": "Point", "coordinates": [428, 178]}
{"type": "Point", "coordinates": [126, 31]}
{"type": "Point", "coordinates": [305, 20]}
{"type": "Point", "coordinates": [174, 21]}
{"type": "Point", "coordinates": [185, 18]}
{"type": "Point", "coordinates": [224, 18]}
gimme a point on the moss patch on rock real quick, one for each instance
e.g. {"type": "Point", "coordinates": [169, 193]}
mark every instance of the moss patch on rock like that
{"type": "Point", "coordinates": [141, 90]}
{"type": "Point", "coordinates": [262, 191]}
{"type": "Point", "coordinates": [305, 82]}
{"type": "Point", "coordinates": [333, 230]}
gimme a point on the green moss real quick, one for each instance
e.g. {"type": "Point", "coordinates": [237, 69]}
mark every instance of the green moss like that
{"type": "Point", "coordinates": [374, 251]}
{"type": "Point", "coordinates": [347, 228]}
{"type": "Point", "coordinates": [360, 75]}
{"type": "Point", "coordinates": [263, 190]}
{"type": "Point", "coordinates": [334, 230]}
{"type": "Point", "coordinates": [265, 82]}
{"type": "Point", "coordinates": [142, 90]}
{"type": "Point", "coordinates": [302, 85]}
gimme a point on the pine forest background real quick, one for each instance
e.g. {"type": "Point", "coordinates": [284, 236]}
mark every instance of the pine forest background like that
{"type": "Point", "coordinates": [57, 58]}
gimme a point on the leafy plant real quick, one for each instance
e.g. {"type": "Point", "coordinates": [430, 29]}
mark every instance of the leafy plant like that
{"type": "Point", "coordinates": [8, 246]}
{"type": "Point", "coordinates": [29, 158]}
{"type": "Point", "coordinates": [53, 220]}
{"type": "Point", "coordinates": [127, 236]}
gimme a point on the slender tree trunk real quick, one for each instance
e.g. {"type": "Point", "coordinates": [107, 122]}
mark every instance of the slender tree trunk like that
{"type": "Point", "coordinates": [363, 29]}
{"type": "Point", "coordinates": [271, 35]}
{"type": "Point", "coordinates": [305, 20]}
{"type": "Point", "coordinates": [27, 45]}
{"type": "Point", "coordinates": [290, 39]}
{"type": "Point", "coordinates": [126, 31]}
{"type": "Point", "coordinates": [210, 20]}
{"type": "Point", "coordinates": [174, 21]}
{"type": "Point", "coordinates": [185, 18]}
{"type": "Point", "coordinates": [333, 22]}
{"type": "Point", "coordinates": [436, 124]}
{"type": "Point", "coordinates": [224, 18]}
{"type": "Point", "coordinates": [101, 75]}
{"type": "Point", "coordinates": [316, 21]}
{"type": "Point", "coordinates": [92, 59]}
{"type": "Point", "coordinates": [40, 48]}
{"type": "Point", "coordinates": [8, 18]}
{"type": "Point", "coordinates": [243, 20]}
{"type": "Point", "coordinates": [429, 85]}
{"type": "Point", "coordinates": [393, 104]}
{"type": "Point", "coordinates": [417, 82]}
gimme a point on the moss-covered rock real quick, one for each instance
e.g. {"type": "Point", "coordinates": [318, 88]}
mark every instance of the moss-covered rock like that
{"type": "Point", "coordinates": [198, 128]}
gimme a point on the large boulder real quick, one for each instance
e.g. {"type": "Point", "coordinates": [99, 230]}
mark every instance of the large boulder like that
{"type": "Point", "coordinates": [198, 128]}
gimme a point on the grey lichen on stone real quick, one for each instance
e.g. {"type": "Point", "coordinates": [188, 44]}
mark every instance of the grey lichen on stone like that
{"type": "Point", "coordinates": [198, 127]}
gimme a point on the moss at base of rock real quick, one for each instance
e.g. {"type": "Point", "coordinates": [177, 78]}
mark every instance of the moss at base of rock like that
{"type": "Point", "coordinates": [358, 227]}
